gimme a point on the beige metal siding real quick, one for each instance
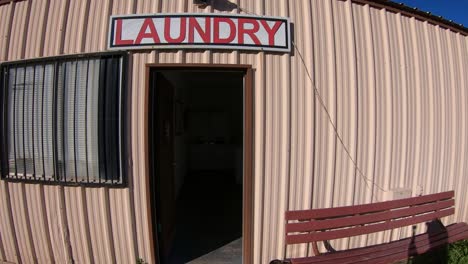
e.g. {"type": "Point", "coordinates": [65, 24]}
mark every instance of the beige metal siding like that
{"type": "Point", "coordinates": [6, 13]}
{"type": "Point", "coordinates": [19, 27]}
{"type": "Point", "coordinates": [394, 86]}
{"type": "Point", "coordinates": [54, 28]}
{"type": "Point", "coordinates": [35, 29]}
{"type": "Point", "coordinates": [58, 224]}
{"type": "Point", "coordinates": [10, 248]}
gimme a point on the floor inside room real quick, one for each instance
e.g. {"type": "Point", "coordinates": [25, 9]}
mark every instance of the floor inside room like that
{"type": "Point", "coordinates": [228, 254]}
{"type": "Point", "coordinates": [208, 211]}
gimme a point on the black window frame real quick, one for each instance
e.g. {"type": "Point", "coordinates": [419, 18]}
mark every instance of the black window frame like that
{"type": "Point", "coordinates": [121, 119]}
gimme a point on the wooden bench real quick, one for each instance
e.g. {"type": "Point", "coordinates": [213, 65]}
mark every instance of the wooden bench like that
{"type": "Point", "coordinates": [312, 226]}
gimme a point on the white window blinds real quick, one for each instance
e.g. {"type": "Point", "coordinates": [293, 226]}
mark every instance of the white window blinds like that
{"type": "Point", "coordinates": [62, 120]}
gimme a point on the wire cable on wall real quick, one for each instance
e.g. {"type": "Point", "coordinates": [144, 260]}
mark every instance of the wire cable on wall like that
{"type": "Point", "coordinates": [329, 118]}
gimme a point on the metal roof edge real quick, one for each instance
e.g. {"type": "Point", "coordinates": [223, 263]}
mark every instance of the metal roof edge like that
{"type": "Point", "coordinates": [4, 2]}
{"type": "Point", "coordinates": [417, 13]}
{"type": "Point", "coordinates": [392, 6]}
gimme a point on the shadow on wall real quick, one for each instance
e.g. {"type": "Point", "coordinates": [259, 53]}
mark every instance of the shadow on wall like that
{"type": "Point", "coordinates": [220, 5]}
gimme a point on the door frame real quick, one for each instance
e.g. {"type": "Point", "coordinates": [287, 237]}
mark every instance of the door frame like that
{"type": "Point", "coordinates": [247, 186]}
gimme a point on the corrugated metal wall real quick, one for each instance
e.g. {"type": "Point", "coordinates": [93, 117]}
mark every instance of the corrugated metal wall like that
{"type": "Point", "coordinates": [395, 86]}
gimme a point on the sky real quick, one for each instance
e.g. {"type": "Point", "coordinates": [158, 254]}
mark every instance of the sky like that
{"type": "Point", "coordinates": [456, 10]}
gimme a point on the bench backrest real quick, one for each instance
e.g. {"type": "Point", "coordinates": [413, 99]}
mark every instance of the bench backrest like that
{"type": "Point", "coordinates": [314, 225]}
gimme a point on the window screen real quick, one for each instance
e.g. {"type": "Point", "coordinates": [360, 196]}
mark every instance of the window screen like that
{"type": "Point", "coordinates": [62, 120]}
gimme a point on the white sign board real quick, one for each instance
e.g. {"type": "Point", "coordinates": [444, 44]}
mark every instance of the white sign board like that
{"type": "Point", "coordinates": [199, 31]}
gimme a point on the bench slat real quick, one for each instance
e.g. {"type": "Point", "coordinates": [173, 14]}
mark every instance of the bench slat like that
{"type": "Point", "coordinates": [402, 243]}
{"type": "Point", "coordinates": [453, 233]}
{"type": "Point", "coordinates": [314, 225]}
{"type": "Point", "coordinates": [366, 208]}
{"type": "Point", "coordinates": [355, 231]}
{"type": "Point", "coordinates": [403, 253]}
{"type": "Point", "coordinates": [389, 256]}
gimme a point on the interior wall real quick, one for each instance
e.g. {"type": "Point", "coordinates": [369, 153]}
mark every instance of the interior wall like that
{"type": "Point", "coordinates": [181, 135]}
{"type": "Point", "coordinates": [212, 137]}
{"type": "Point", "coordinates": [215, 124]}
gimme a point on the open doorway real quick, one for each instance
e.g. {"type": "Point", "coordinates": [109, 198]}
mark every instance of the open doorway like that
{"type": "Point", "coordinates": [197, 145]}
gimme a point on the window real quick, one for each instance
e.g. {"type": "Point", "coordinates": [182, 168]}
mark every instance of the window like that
{"type": "Point", "coordinates": [62, 120]}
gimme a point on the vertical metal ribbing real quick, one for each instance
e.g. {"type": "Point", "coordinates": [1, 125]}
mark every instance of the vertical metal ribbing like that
{"type": "Point", "coordinates": [124, 93]}
{"type": "Point", "coordinates": [42, 119]}
{"type": "Point", "coordinates": [2, 124]}
{"type": "Point", "coordinates": [99, 149]}
{"type": "Point", "coordinates": [13, 88]}
{"type": "Point", "coordinates": [120, 119]}
{"type": "Point", "coordinates": [101, 122]}
{"type": "Point", "coordinates": [116, 61]}
{"type": "Point", "coordinates": [55, 123]}
{"type": "Point", "coordinates": [6, 82]}
{"type": "Point", "coordinates": [63, 121]}
{"type": "Point", "coordinates": [32, 121]}
{"type": "Point", "coordinates": [2, 152]}
{"type": "Point", "coordinates": [74, 120]}
{"type": "Point", "coordinates": [86, 122]}
{"type": "Point", "coordinates": [2, 118]}
{"type": "Point", "coordinates": [99, 141]}
{"type": "Point", "coordinates": [24, 140]}
{"type": "Point", "coordinates": [106, 83]}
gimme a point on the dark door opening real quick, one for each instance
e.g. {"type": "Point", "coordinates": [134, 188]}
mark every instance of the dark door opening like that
{"type": "Point", "coordinates": [196, 137]}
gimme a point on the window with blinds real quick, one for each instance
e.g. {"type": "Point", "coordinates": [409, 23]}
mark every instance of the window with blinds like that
{"type": "Point", "coordinates": [62, 120]}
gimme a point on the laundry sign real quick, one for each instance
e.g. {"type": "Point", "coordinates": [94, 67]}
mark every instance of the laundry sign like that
{"type": "Point", "coordinates": [199, 31]}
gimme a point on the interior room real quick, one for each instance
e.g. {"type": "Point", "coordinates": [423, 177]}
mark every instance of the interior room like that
{"type": "Point", "coordinates": [208, 156]}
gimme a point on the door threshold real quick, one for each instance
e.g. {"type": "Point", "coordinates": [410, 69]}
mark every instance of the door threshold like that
{"type": "Point", "coordinates": [227, 254]}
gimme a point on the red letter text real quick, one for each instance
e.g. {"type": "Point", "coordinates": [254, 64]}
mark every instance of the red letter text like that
{"type": "Point", "coordinates": [148, 23]}
{"type": "Point", "coordinates": [118, 35]}
{"type": "Point", "coordinates": [251, 32]}
{"type": "Point", "coordinates": [232, 30]}
{"type": "Point", "coordinates": [194, 25]}
{"type": "Point", "coordinates": [167, 30]}
{"type": "Point", "coordinates": [271, 31]}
